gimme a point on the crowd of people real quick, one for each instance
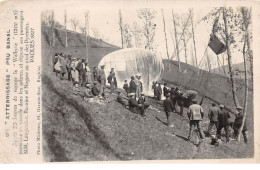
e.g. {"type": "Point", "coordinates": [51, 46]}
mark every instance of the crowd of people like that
{"type": "Point", "coordinates": [94, 83]}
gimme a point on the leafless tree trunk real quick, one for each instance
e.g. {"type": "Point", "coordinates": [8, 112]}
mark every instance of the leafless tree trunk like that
{"type": "Point", "coordinates": [176, 40]}
{"type": "Point", "coordinates": [121, 27]}
{"type": "Point", "coordinates": [166, 44]}
{"type": "Point", "coordinates": [193, 35]}
{"type": "Point", "coordinates": [230, 60]}
{"type": "Point", "coordinates": [65, 28]}
{"type": "Point", "coordinates": [52, 28]}
{"type": "Point", "coordinates": [86, 33]}
{"type": "Point", "coordinates": [74, 23]}
{"type": "Point", "coordinates": [185, 49]}
{"type": "Point", "coordinates": [246, 37]}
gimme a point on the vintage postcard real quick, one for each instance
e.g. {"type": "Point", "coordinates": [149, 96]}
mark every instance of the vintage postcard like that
{"type": "Point", "coordinates": [135, 81]}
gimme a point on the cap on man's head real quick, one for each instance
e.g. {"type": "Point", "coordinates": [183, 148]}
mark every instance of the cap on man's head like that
{"type": "Point", "coordinates": [142, 93]}
{"type": "Point", "coordinates": [213, 104]}
{"type": "Point", "coordinates": [132, 77]}
{"type": "Point", "coordinates": [88, 85]}
{"type": "Point", "coordinates": [221, 106]}
{"type": "Point", "coordinates": [102, 66]}
{"type": "Point", "coordinates": [194, 101]}
{"type": "Point", "coordinates": [239, 108]}
{"type": "Point", "coordinates": [131, 94]}
{"type": "Point", "coordinates": [125, 80]}
{"type": "Point", "coordinates": [95, 82]}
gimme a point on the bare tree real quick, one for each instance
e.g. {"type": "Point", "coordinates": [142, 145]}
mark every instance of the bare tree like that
{"type": "Point", "coordinates": [165, 36]}
{"type": "Point", "coordinates": [65, 28]}
{"type": "Point", "coordinates": [148, 28]}
{"type": "Point", "coordinates": [95, 33]}
{"type": "Point", "coordinates": [83, 30]}
{"type": "Point", "coordinates": [137, 33]}
{"type": "Point", "coordinates": [86, 29]}
{"type": "Point", "coordinates": [127, 35]}
{"type": "Point", "coordinates": [193, 37]}
{"type": "Point", "coordinates": [121, 28]}
{"type": "Point", "coordinates": [74, 23]}
{"type": "Point", "coordinates": [176, 41]}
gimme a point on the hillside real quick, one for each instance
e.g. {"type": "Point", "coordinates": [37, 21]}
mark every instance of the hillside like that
{"type": "Point", "coordinates": [77, 130]}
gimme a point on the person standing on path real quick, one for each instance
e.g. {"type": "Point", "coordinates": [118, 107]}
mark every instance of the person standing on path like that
{"type": "Point", "coordinates": [112, 76]}
{"type": "Point", "coordinates": [68, 67]}
{"type": "Point", "coordinates": [223, 122]}
{"type": "Point", "coordinates": [159, 92]}
{"type": "Point", "coordinates": [168, 108]}
{"type": "Point", "coordinates": [132, 86]}
{"type": "Point", "coordinates": [195, 115]}
{"type": "Point", "coordinates": [238, 123]}
{"type": "Point", "coordinates": [95, 74]}
{"type": "Point", "coordinates": [213, 117]}
{"type": "Point", "coordinates": [138, 87]}
{"type": "Point", "coordinates": [102, 80]}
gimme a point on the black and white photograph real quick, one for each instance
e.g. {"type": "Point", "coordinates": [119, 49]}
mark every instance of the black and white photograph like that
{"type": "Point", "coordinates": [147, 83]}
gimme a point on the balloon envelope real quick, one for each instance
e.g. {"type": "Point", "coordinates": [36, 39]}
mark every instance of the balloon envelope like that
{"type": "Point", "coordinates": [134, 61]}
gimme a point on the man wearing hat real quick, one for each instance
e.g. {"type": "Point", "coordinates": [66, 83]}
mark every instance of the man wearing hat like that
{"type": "Point", "coordinates": [88, 93]}
{"type": "Point", "coordinates": [102, 80]}
{"type": "Point", "coordinates": [138, 87]}
{"type": "Point", "coordinates": [112, 76]}
{"type": "Point", "coordinates": [74, 71]}
{"type": "Point", "coordinates": [159, 91]}
{"type": "Point", "coordinates": [213, 117]}
{"type": "Point", "coordinates": [82, 72]}
{"type": "Point", "coordinates": [133, 105]}
{"type": "Point", "coordinates": [68, 67]}
{"type": "Point", "coordinates": [238, 123]}
{"type": "Point", "coordinates": [132, 86]}
{"type": "Point", "coordinates": [95, 90]}
{"type": "Point", "coordinates": [121, 99]}
{"type": "Point", "coordinates": [126, 87]}
{"type": "Point", "coordinates": [223, 122]}
{"type": "Point", "coordinates": [168, 108]}
{"type": "Point", "coordinates": [95, 74]}
{"type": "Point", "coordinates": [195, 115]}
{"type": "Point", "coordinates": [141, 100]}
{"type": "Point", "coordinates": [88, 73]}
{"type": "Point", "coordinates": [165, 89]}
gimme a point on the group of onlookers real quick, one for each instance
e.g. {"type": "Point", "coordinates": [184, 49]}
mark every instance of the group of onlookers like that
{"type": "Point", "coordinates": [79, 73]}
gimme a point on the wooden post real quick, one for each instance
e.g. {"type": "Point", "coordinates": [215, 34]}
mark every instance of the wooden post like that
{"type": "Point", "coordinates": [176, 40]}
{"type": "Point", "coordinates": [166, 44]}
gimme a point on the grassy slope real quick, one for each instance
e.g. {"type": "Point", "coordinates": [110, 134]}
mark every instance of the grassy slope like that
{"type": "Point", "coordinates": [75, 130]}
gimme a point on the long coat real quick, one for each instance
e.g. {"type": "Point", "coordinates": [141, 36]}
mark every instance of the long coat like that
{"type": "Point", "coordinates": [63, 62]}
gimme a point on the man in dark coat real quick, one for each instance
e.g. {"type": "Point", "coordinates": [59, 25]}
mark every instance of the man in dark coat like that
{"type": "Point", "coordinates": [238, 123]}
{"type": "Point", "coordinates": [95, 90]}
{"type": "Point", "coordinates": [179, 99]}
{"type": "Point", "coordinates": [132, 86]}
{"type": "Point", "coordinates": [134, 106]}
{"type": "Point", "coordinates": [155, 90]}
{"type": "Point", "coordinates": [95, 74]}
{"type": "Point", "coordinates": [168, 108]}
{"type": "Point", "coordinates": [213, 117]}
{"type": "Point", "coordinates": [68, 67]}
{"type": "Point", "coordinates": [159, 90]}
{"type": "Point", "coordinates": [82, 72]}
{"type": "Point", "coordinates": [165, 89]}
{"type": "Point", "coordinates": [126, 87]}
{"type": "Point", "coordinates": [122, 100]}
{"type": "Point", "coordinates": [141, 100]}
{"type": "Point", "coordinates": [223, 122]}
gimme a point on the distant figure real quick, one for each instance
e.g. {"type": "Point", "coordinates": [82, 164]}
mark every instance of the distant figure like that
{"type": "Point", "coordinates": [238, 123]}
{"type": "Point", "coordinates": [54, 61]}
{"type": "Point", "coordinates": [132, 86]}
{"type": "Point", "coordinates": [195, 115]}
{"type": "Point", "coordinates": [75, 89]}
{"type": "Point", "coordinates": [74, 71]}
{"type": "Point", "coordinates": [88, 73]}
{"type": "Point", "coordinates": [223, 122]}
{"type": "Point", "coordinates": [173, 97]}
{"type": "Point", "coordinates": [126, 87]}
{"type": "Point", "coordinates": [88, 93]}
{"type": "Point", "coordinates": [159, 91]}
{"type": "Point", "coordinates": [68, 67]}
{"type": "Point", "coordinates": [134, 106]}
{"type": "Point", "coordinates": [57, 65]}
{"type": "Point", "coordinates": [111, 80]}
{"type": "Point", "coordinates": [165, 89]}
{"type": "Point", "coordinates": [95, 90]}
{"type": "Point", "coordinates": [102, 80]}
{"type": "Point", "coordinates": [122, 100]}
{"type": "Point", "coordinates": [138, 87]}
{"type": "Point", "coordinates": [82, 72]}
{"type": "Point", "coordinates": [179, 99]}
{"type": "Point", "coordinates": [95, 74]}
{"type": "Point", "coordinates": [141, 84]}
{"type": "Point", "coordinates": [213, 117]}
{"type": "Point", "coordinates": [63, 62]}
{"type": "Point", "coordinates": [155, 90]}
{"type": "Point", "coordinates": [142, 101]}
{"type": "Point", "coordinates": [168, 108]}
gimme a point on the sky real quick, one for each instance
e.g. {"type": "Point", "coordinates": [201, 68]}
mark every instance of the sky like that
{"type": "Point", "coordinates": [106, 21]}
